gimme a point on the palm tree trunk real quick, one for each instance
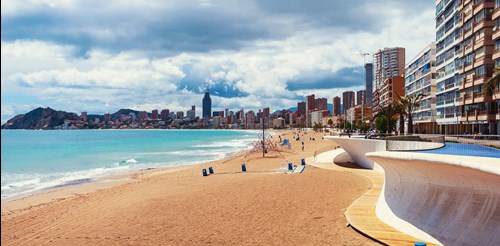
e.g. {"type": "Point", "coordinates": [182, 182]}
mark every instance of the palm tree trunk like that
{"type": "Point", "coordinates": [410, 124]}
{"type": "Point", "coordinates": [401, 123]}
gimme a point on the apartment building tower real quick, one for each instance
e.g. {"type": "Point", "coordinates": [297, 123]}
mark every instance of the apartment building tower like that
{"type": "Point", "coordinates": [420, 78]}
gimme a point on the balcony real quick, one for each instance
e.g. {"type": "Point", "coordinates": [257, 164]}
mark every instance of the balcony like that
{"type": "Point", "coordinates": [483, 23]}
{"type": "Point", "coordinates": [496, 54]}
{"type": "Point", "coordinates": [481, 97]}
{"type": "Point", "coordinates": [468, 82]}
{"type": "Point", "coordinates": [466, 33]}
{"type": "Point", "coordinates": [480, 42]}
{"type": "Point", "coordinates": [483, 4]}
{"type": "Point", "coordinates": [482, 60]}
{"type": "Point", "coordinates": [496, 14]}
{"type": "Point", "coordinates": [481, 78]}
{"type": "Point", "coordinates": [468, 99]}
{"type": "Point", "coordinates": [487, 114]}
{"type": "Point", "coordinates": [496, 33]}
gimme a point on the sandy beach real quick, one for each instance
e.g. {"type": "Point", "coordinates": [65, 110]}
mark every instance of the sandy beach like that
{"type": "Point", "coordinates": [181, 207]}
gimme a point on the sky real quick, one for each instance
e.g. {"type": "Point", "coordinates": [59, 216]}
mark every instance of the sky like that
{"type": "Point", "coordinates": [100, 56]}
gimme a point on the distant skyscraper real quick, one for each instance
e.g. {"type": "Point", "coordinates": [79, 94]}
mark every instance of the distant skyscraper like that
{"type": "Point", "coordinates": [301, 109]}
{"type": "Point", "coordinates": [309, 108]}
{"type": "Point", "coordinates": [266, 113]}
{"type": "Point", "coordinates": [164, 114]}
{"type": "Point", "coordinates": [336, 106]}
{"type": "Point", "coordinates": [207, 105]}
{"type": "Point", "coordinates": [155, 114]}
{"type": "Point", "coordinates": [321, 104]}
{"type": "Point", "coordinates": [361, 97]}
{"type": "Point", "coordinates": [84, 116]}
{"type": "Point", "coordinates": [193, 108]}
{"type": "Point", "coordinates": [107, 117]}
{"type": "Point", "coordinates": [180, 115]}
{"type": "Point", "coordinates": [348, 100]}
{"type": "Point", "coordinates": [369, 83]}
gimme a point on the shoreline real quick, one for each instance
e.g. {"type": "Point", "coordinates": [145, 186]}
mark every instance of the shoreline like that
{"type": "Point", "coordinates": [180, 206]}
{"type": "Point", "coordinates": [95, 180]}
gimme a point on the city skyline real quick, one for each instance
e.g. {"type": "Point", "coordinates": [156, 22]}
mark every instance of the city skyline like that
{"type": "Point", "coordinates": [55, 56]}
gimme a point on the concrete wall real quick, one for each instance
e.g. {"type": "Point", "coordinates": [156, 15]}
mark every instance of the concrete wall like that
{"type": "Point", "coordinates": [456, 200]}
{"type": "Point", "coordinates": [358, 147]}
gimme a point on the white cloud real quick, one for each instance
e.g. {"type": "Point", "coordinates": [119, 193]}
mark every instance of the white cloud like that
{"type": "Point", "coordinates": [104, 80]}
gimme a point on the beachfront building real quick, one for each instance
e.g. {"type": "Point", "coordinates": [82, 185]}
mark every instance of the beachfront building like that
{"type": "Point", "coordinates": [278, 122]}
{"type": "Point", "coordinates": [369, 82]}
{"type": "Point", "coordinates": [496, 59]}
{"type": "Point", "coordinates": [154, 114]}
{"type": "Point", "coordinates": [449, 50]}
{"type": "Point", "coordinates": [191, 114]}
{"type": "Point", "coordinates": [420, 79]}
{"type": "Point", "coordinates": [391, 89]}
{"type": "Point", "coordinates": [321, 104]}
{"type": "Point", "coordinates": [360, 113]}
{"type": "Point", "coordinates": [317, 116]}
{"type": "Point", "coordinates": [360, 97]}
{"type": "Point", "coordinates": [336, 106]}
{"type": "Point", "coordinates": [478, 109]}
{"type": "Point", "coordinates": [389, 62]}
{"type": "Point", "coordinates": [165, 114]}
{"type": "Point", "coordinates": [309, 108]}
{"type": "Point", "coordinates": [301, 109]}
{"type": "Point", "coordinates": [347, 100]}
{"type": "Point", "coordinates": [84, 116]}
{"type": "Point", "coordinates": [207, 105]}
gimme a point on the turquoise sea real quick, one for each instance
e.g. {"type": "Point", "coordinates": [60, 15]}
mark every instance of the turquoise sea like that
{"type": "Point", "coordinates": [35, 161]}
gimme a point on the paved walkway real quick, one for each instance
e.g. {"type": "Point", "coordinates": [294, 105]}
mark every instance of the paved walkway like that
{"type": "Point", "coordinates": [361, 213]}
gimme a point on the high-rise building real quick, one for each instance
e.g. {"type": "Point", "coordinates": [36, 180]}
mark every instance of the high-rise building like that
{"type": "Point", "coordinates": [191, 114]}
{"type": "Point", "coordinates": [391, 89]}
{"type": "Point", "coordinates": [107, 117]}
{"type": "Point", "coordinates": [360, 97]}
{"type": "Point", "coordinates": [347, 100]}
{"type": "Point", "coordinates": [496, 59]}
{"type": "Point", "coordinates": [180, 115]}
{"type": "Point", "coordinates": [389, 62]}
{"type": "Point", "coordinates": [309, 108]}
{"type": "Point", "coordinates": [143, 115]}
{"type": "Point", "coordinates": [321, 104]}
{"type": "Point", "coordinates": [448, 60]}
{"type": "Point", "coordinates": [301, 109]}
{"type": "Point", "coordinates": [369, 82]}
{"type": "Point", "coordinates": [165, 114]}
{"type": "Point", "coordinates": [84, 116]}
{"type": "Point", "coordinates": [154, 114]}
{"type": "Point", "coordinates": [420, 79]}
{"type": "Point", "coordinates": [226, 111]}
{"type": "Point", "coordinates": [478, 108]}
{"type": "Point", "coordinates": [207, 105]}
{"type": "Point", "coordinates": [336, 106]}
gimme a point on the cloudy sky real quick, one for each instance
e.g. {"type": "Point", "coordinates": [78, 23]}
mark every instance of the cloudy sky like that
{"type": "Point", "coordinates": [100, 56]}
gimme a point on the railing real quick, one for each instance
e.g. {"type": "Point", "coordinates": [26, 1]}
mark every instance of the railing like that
{"type": "Point", "coordinates": [477, 139]}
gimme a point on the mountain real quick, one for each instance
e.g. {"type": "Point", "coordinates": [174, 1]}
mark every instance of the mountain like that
{"type": "Point", "coordinates": [40, 118]}
{"type": "Point", "coordinates": [125, 112]}
{"type": "Point", "coordinates": [294, 109]}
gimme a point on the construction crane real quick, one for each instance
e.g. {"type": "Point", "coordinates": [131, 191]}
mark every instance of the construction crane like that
{"type": "Point", "coordinates": [364, 54]}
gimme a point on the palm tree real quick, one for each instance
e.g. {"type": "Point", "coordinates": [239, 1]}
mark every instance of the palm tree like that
{"type": "Point", "coordinates": [387, 112]}
{"type": "Point", "coordinates": [408, 105]}
{"type": "Point", "coordinates": [399, 107]}
{"type": "Point", "coordinates": [493, 81]}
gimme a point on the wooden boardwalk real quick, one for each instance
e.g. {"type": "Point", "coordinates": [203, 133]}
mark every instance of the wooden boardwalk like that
{"type": "Point", "coordinates": [361, 213]}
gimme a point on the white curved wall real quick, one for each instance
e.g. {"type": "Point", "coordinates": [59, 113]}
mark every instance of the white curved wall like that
{"type": "Point", "coordinates": [455, 199]}
{"type": "Point", "coordinates": [358, 147]}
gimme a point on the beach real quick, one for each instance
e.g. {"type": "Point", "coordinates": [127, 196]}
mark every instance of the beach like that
{"type": "Point", "coordinates": [178, 206]}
